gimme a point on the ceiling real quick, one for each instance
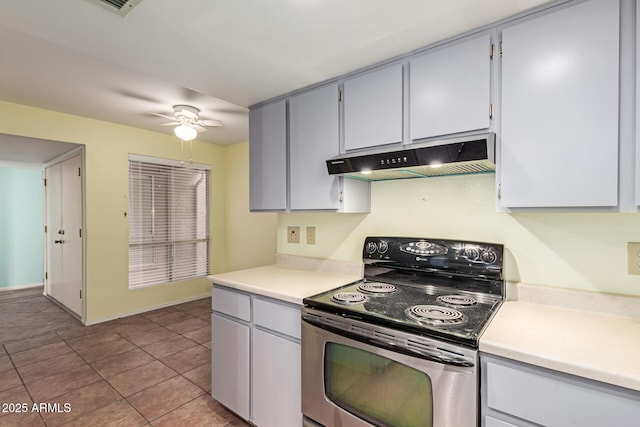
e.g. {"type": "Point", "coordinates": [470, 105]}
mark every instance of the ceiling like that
{"type": "Point", "coordinates": [82, 58]}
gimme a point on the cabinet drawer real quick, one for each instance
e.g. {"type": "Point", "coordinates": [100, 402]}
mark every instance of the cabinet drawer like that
{"type": "Point", "coordinates": [277, 317]}
{"type": "Point", "coordinates": [231, 303]}
{"type": "Point", "coordinates": [550, 399]}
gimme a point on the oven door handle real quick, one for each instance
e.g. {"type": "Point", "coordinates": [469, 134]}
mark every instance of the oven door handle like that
{"type": "Point", "coordinates": [424, 354]}
{"type": "Point", "coordinates": [415, 351]}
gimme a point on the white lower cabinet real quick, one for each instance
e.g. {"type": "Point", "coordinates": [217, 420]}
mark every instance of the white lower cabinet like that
{"type": "Point", "coordinates": [255, 350]}
{"type": "Point", "coordinates": [493, 422]}
{"type": "Point", "coordinates": [230, 364]}
{"type": "Point", "coordinates": [275, 386]}
{"type": "Point", "coordinates": [518, 394]}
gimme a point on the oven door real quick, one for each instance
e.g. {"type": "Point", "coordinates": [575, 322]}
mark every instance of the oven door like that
{"type": "Point", "coordinates": [349, 381]}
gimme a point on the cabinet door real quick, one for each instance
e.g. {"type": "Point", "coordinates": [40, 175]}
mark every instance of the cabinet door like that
{"type": "Point", "coordinates": [313, 133]}
{"type": "Point", "coordinates": [450, 89]}
{"type": "Point", "coordinates": [373, 108]}
{"type": "Point", "coordinates": [637, 106]}
{"type": "Point", "coordinates": [276, 389]}
{"type": "Point", "coordinates": [493, 422]}
{"type": "Point", "coordinates": [230, 364]}
{"type": "Point", "coordinates": [547, 398]}
{"type": "Point", "coordinates": [560, 108]}
{"type": "Point", "coordinates": [268, 157]}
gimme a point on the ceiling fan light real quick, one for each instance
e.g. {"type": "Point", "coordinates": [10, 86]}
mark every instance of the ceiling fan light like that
{"type": "Point", "coordinates": [185, 132]}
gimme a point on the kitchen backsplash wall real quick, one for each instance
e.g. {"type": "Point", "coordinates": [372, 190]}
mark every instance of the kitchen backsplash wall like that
{"type": "Point", "coordinates": [585, 251]}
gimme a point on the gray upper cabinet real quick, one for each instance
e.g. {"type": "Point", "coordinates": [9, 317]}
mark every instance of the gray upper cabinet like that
{"type": "Point", "coordinates": [450, 89]}
{"type": "Point", "coordinates": [268, 157]}
{"type": "Point", "coordinates": [288, 148]}
{"type": "Point", "coordinates": [373, 108]}
{"type": "Point", "coordinates": [559, 145]}
{"type": "Point", "coordinates": [313, 133]}
{"type": "Point", "coordinates": [637, 146]}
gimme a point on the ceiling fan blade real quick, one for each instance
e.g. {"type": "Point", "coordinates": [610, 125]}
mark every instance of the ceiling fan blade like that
{"type": "Point", "coordinates": [139, 96]}
{"type": "Point", "coordinates": [210, 123]}
{"type": "Point", "coordinates": [171, 124]}
{"type": "Point", "coordinates": [199, 128]}
{"type": "Point", "coordinates": [164, 116]}
{"type": "Point", "coordinates": [229, 111]}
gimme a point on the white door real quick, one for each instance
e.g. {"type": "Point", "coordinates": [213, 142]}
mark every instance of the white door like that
{"type": "Point", "coordinates": [53, 232]}
{"type": "Point", "coordinates": [64, 233]}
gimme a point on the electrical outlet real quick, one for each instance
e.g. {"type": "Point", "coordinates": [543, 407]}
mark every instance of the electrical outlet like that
{"type": "Point", "coordinates": [293, 234]}
{"type": "Point", "coordinates": [311, 235]}
{"type": "Point", "coordinates": [633, 258]}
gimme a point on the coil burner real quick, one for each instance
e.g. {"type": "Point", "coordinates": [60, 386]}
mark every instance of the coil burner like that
{"type": "Point", "coordinates": [348, 298]}
{"type": "Point", "coordinates": [377, 288]}
{"type": "Point", "coordinates": [457, 300]}
{"type": "Point", "coordinates": [436, 315]}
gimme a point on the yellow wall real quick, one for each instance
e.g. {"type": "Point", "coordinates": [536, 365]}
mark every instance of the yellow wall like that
{"type": "Point", "coordinates": [250, 237]}
{"type": "Point", "coordinates": [584, 251]}
{"type": "Point", "coordinates": [107, 149]}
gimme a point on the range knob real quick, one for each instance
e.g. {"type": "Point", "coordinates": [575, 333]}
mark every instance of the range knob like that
{"type": "Point", "coordinates": [371, 247]}
{"type": "Point", "coordinates": [489, 256]}
{"type": "Point", "coordinates": [472, 254]}
{"type": "Point", "coordinates": [383, 247]}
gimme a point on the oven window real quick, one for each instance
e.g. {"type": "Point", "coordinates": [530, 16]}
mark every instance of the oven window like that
{"type": "Point", "coordinates": [377, 389]}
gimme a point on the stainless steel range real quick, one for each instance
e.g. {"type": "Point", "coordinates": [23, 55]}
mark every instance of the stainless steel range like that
{"type": "Point", "coordinates": [399, 348]}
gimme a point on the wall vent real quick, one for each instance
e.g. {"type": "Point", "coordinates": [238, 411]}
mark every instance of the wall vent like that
{"type": "Point", "coordinates": [120, 7]}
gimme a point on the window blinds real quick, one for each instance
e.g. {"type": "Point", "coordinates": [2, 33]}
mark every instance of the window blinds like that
{"type": "Point", "coordinates": [168, 221]}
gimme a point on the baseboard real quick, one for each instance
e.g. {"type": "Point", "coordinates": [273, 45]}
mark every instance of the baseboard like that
{"type": "Point", "coordinates": [147, 309]}
{"type": "Point", "coordinates": [21, 287]}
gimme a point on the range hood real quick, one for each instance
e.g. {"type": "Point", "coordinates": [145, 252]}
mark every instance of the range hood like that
{"type": "Point", "coordinates": [454, 156]}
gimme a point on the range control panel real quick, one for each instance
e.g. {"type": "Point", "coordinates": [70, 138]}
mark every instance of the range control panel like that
{"type": "Point", "coordinates": [454, 255]}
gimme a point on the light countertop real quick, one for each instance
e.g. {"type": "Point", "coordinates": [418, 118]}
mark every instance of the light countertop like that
{"type": "Point", "coordinates": [548, 327]}
{"type": "Point", "coordinates": [291, 279]}
{"type": "Point", "coordinates": [588, 344]}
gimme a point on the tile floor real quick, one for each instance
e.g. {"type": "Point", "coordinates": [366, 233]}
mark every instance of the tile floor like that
{"type": "Point", "coordinates": [151, 369]}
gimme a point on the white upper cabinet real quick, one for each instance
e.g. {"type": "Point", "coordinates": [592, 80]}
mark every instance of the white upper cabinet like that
{"type": "Point", "coordinates": [559, 144]}
{"type": "Point", "coordinates": [313, 133]}
{"type": "Point", "coordinates": [373, 108]}
{"type": "Point", "coordinates": [637, 107]}
{"type": "Point", "coordinates": [450, 89]}
{"type": "Point", "coordinates": [292, 174]}
{"type": "Point", "coordinates": [268, 157]}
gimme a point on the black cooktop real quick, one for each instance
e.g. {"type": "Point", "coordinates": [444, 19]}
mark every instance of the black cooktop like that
{"type": "Point", "coordinates": [441, 288]}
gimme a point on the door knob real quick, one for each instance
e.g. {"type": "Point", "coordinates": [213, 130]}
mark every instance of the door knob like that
{"type": "Point", "coordinates": [59, 241]}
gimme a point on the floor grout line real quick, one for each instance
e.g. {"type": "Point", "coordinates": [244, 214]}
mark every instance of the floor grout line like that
{"type": "Point", "coordinates": [186, 313]}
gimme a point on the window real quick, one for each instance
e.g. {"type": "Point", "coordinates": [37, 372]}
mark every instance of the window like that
{"type": "Point", "coordinates": [168, 221]}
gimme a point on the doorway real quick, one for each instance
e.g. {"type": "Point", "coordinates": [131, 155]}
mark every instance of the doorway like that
{"type": "Point", "coordinates": [64, 234]}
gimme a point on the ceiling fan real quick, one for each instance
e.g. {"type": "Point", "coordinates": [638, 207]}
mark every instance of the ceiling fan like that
{"type": "Point", "coordinates": [187, 121]}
